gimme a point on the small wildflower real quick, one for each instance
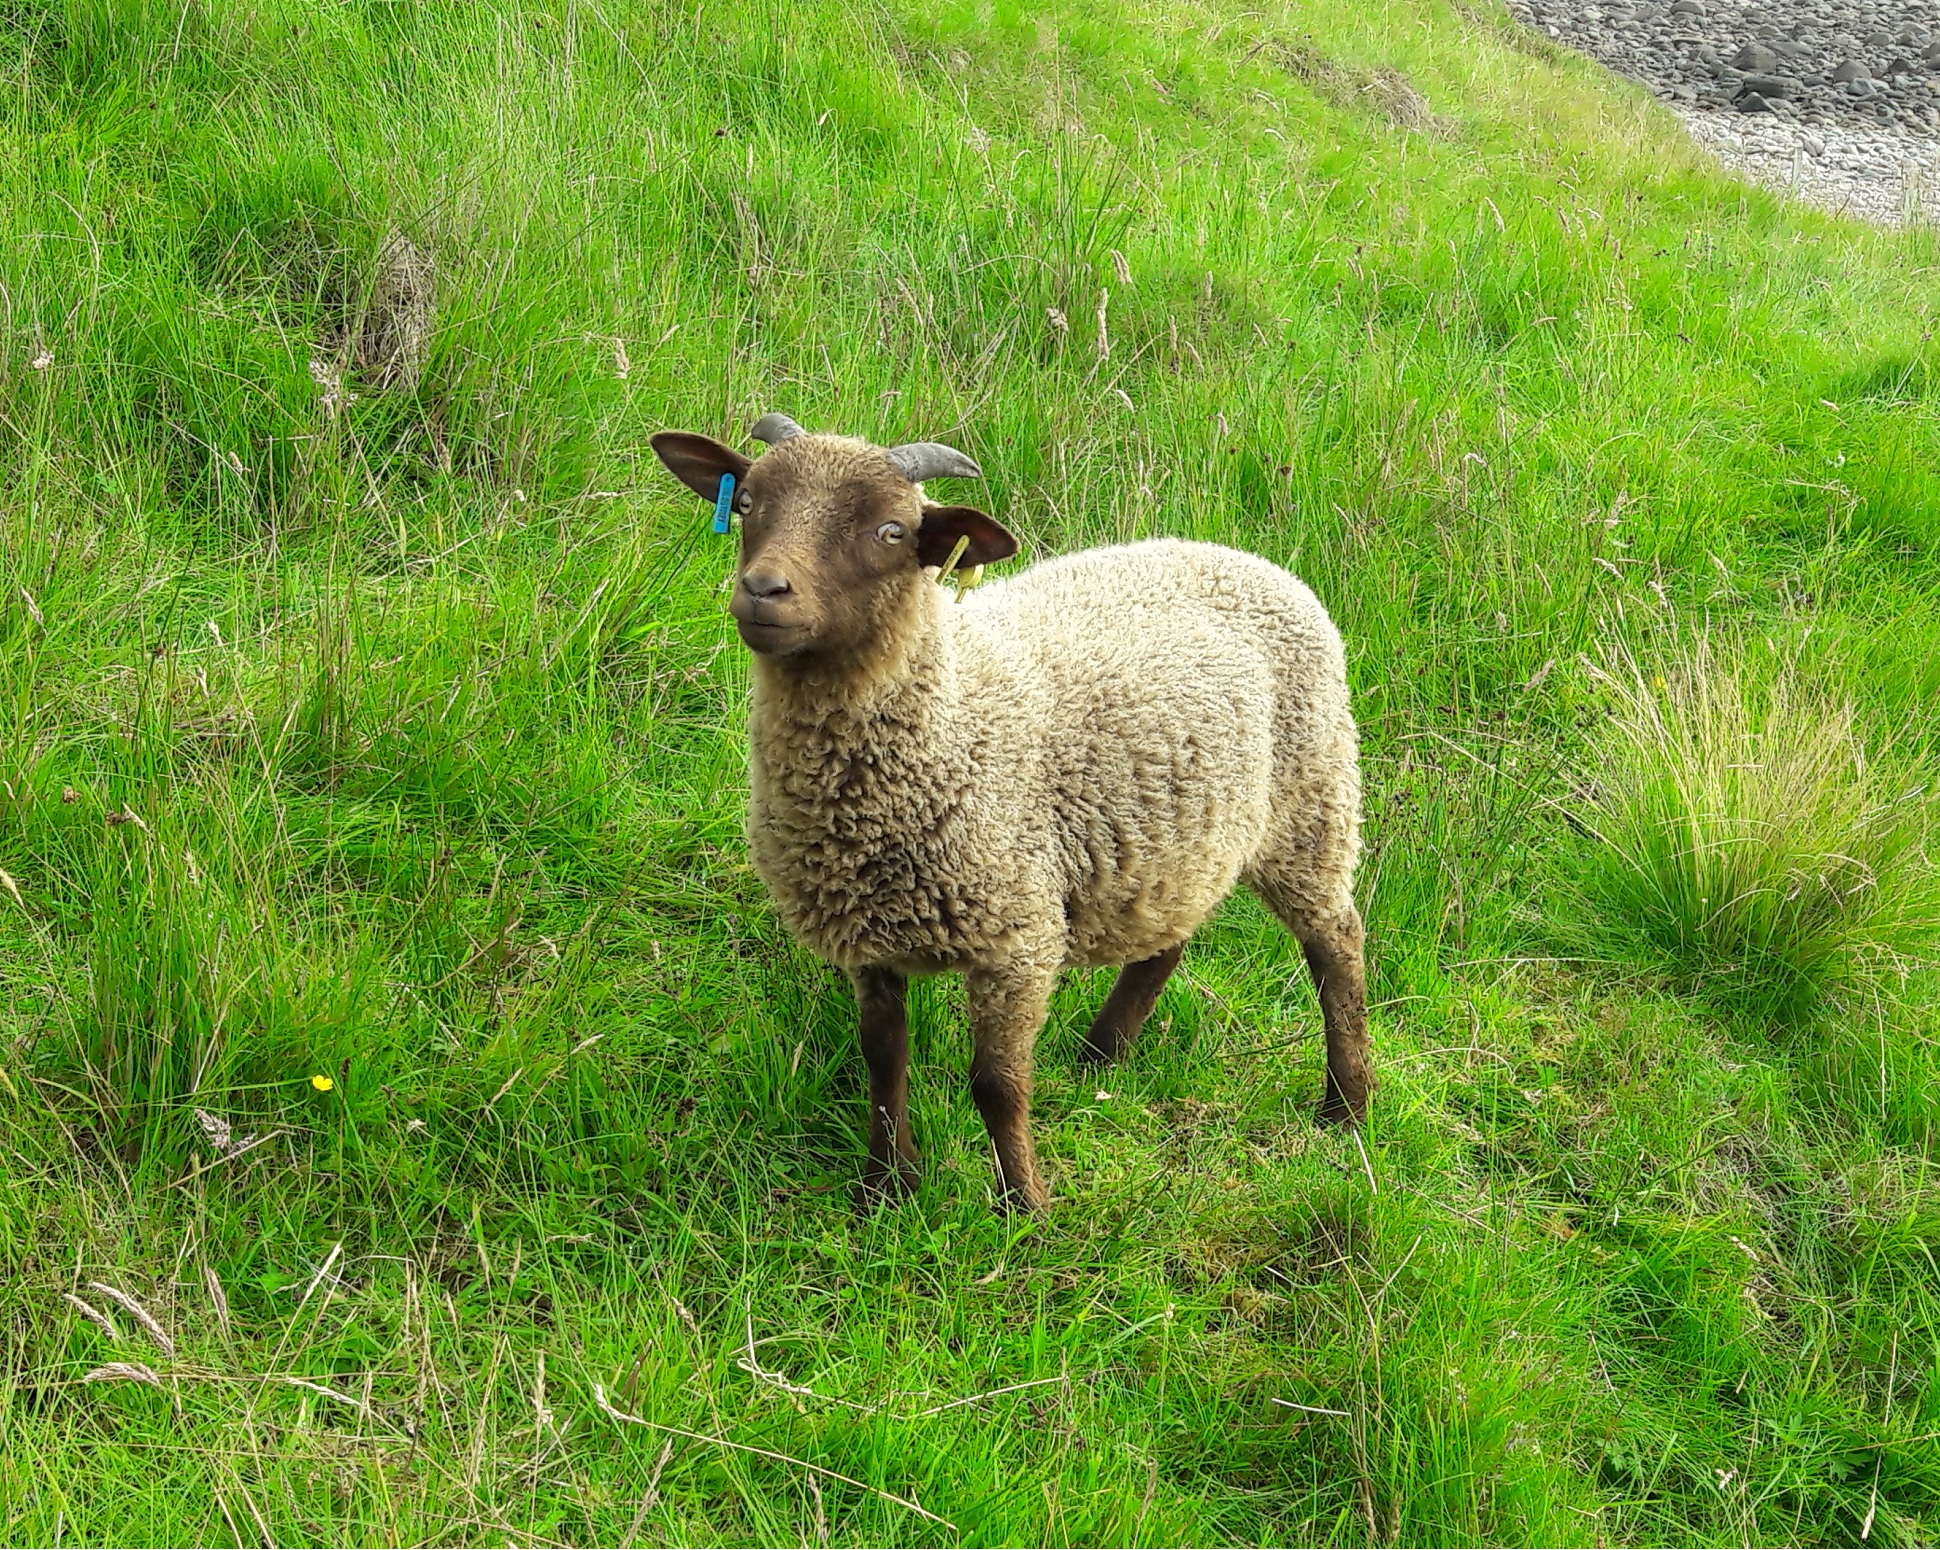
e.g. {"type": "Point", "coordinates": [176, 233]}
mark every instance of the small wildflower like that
{"type": "Point", "coordinates": [322, 1083]}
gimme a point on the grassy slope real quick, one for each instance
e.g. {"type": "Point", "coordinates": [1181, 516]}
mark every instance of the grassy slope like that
{"type": "Point", "coordinates": [400, 743]}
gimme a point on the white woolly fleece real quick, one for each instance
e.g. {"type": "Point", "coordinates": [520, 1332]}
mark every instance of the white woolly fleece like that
{"type": "Point", "coordinates": [1072, 765]}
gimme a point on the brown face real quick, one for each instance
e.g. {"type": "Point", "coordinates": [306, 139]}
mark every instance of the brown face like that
{"type": "Point", "coordinates": [832, 536]}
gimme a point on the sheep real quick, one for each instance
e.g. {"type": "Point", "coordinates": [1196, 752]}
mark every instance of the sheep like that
{"type": "Point", "coordinates": [1072, 766]}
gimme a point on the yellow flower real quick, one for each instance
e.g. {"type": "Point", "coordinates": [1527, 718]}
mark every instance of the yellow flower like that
{"type": "Point", "coordinates": [322, 1084]}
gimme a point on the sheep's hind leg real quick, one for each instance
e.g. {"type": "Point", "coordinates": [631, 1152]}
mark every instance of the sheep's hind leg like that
{"type": "Point", "coordinates": [1007, 1008]}
{"type": "Point", "coordinates": [1133, 995]}
{"type": "Point", "coordinates": [885, 1048]}
{"type": "Point", "coordinates": [1331, 940]}
{"type": "Point", "coordinates": [1334, 958]}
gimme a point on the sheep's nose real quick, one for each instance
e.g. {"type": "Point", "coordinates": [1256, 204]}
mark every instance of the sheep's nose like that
{"type": "Point", "coordinates": [764, 584]}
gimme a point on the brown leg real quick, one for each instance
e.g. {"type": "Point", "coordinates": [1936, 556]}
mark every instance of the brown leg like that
{"type": "Point", "coordinates": [1007, 1008]}
{"type": "Point", "coordinates": [1333, 952]}
{"type": "Point", "coordinates": [885, 1047]}
{"type": "Point", "coordinates": [1131, 1001]}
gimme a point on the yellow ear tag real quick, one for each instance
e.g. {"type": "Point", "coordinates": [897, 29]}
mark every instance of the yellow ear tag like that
{"type": "Point", "coordinates": [965, 579]}
{"type": "Point", "coordinates": [950, 564]}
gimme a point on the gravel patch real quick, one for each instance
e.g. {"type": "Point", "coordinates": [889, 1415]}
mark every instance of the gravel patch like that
{"type": "Point", "coordinates": [1834, 101]}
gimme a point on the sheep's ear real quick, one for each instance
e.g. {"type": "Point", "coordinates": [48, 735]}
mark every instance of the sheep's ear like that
{"type": "Point", "coordinates": [990, 540]}
{"type": "Point", "coordinates": [699, 461]}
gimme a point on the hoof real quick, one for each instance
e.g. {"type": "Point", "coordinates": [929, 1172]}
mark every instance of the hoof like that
{"type": "Point", "coordinates": [882, 1186]}
{"type": "Point", "coordinates": [1105, 1042]}
{"type": "Point", "coordinates": [1336, 1110]}
{"type": "Point", "coordinates": [1033, 1201]}
{"type": "Point", "coordinates": [1095, 1052]}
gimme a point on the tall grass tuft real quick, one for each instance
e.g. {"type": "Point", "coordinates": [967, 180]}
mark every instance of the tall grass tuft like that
{"type": "Point", "coordinates": [1746, 834]}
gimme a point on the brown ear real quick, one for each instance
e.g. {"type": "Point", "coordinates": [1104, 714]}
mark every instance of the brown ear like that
{"type": "Point", "coordinates": [699, 461]}
{"type": "Point", "coordinates": [990, 540]}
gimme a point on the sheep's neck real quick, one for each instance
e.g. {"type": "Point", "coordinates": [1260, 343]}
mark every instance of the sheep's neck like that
{"type": "Point", "coordinates": [858, 781]}
{"type": "Point", "coordinates": [896, 680]}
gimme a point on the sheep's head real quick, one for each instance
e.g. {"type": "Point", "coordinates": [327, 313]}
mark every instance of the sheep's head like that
{"type": "Point", "coordinates": [835, 533]}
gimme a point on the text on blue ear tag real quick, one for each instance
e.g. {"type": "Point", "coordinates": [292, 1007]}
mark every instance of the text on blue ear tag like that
{"type": "Point", "coordinates": [721, 503]}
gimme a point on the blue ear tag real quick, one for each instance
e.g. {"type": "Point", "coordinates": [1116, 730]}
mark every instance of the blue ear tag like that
{"type": "Point", "coordinates": [721, 503]}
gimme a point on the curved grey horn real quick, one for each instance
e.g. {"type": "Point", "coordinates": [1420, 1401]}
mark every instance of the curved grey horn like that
{"type": "Point", "coordinates": [920, 460]}
{"type": "Point", "coordinates": [775, 429]}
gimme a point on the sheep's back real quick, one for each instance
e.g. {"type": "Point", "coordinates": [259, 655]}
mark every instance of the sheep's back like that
{"type": "Point", "coordinates": [1180, 692]}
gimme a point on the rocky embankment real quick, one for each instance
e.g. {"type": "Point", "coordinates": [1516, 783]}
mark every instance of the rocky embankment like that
{"type": "Point", "coordinates": [1836, 101]}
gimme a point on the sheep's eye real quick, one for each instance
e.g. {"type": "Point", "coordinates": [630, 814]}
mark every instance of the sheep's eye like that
{"type": "Point", "coordinates": [892, 532]}
{"type": "Point", "coordinates": [744, 502]}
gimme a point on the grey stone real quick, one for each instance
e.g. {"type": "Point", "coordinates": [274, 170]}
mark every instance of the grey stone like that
{"type": "Point", "coordinates": [1751, 102]}
{"type": "Point", "coordinates": [1782, 53]}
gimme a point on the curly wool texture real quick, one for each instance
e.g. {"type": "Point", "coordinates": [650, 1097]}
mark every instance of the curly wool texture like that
{"type": "Point", "coordinates": [1073, 765]}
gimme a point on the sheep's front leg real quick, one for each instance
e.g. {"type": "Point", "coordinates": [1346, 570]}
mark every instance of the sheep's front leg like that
{"type": "Point", "coordinates": [1007, 1007]}
{"type": "Point", "coordinates": [1132, 998]}
{"type": "Point", "coordinates": [885, 1048]}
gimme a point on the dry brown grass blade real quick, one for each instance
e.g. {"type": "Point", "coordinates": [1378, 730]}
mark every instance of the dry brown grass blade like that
{"type": "Point", "coordinates": [328, 1393]}
{"type": "Point", "coordinates": [971, 1399]}
{"type": "Point", "coordinates": [212, 1283]}
{"type": "Point", "coordinates": [607, 1409]}
{"type": "Point", "coordinates": [241, 1151]}
{"type": "Point", "coordinates": [650, 1498]}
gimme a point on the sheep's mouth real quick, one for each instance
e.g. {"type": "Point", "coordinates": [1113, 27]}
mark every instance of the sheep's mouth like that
{"type": "Point", "coordinates": [770, 639]}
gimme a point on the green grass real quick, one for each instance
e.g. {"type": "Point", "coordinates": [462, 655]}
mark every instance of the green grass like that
{"type": "Point", "coordinates": [392, 735]}
{"type": "Point", "coordinates": [1744, 832]}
